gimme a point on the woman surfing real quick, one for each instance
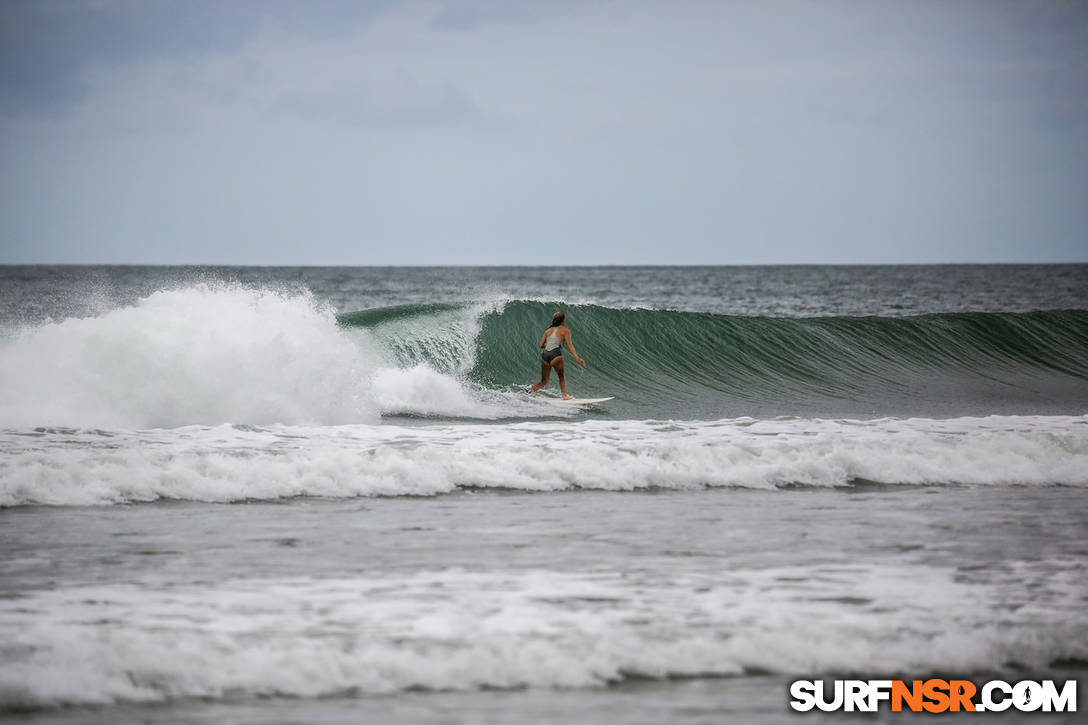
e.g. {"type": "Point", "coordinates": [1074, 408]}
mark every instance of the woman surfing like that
{"type": "Point", "coordinates": [552, 357]}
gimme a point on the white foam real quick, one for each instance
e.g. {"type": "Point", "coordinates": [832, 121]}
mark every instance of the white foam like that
{"type": "Point", "coordinates": [461, 630]}
{"type": "Point", "coordinates": [211, 354]}
{"type": "Point", "coordinates": [421, 390]}
{"type": "Point", "coordinates": [199, 355]}
{"type": "Point", "coordinates": [225, 463]}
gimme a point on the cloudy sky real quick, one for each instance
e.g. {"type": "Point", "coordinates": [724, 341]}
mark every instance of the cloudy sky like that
{"type": "Point", "coordinates": [543, 132]}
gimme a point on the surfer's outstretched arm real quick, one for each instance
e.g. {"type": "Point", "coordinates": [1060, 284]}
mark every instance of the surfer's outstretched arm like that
{"type": "Point", "coordinates": [570, 344]}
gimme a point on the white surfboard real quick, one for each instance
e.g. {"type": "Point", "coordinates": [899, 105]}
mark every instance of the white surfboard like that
{"type": "Point", "coordinates": [576, 401]}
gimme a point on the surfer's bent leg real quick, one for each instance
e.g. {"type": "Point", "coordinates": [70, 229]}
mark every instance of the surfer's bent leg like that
{"type": "Point", "coordinates": [558, 365]}
{"type": "Point", "coordinates": [545, 373]}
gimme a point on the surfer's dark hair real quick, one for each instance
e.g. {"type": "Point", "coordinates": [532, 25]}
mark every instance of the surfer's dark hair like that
{"type": "Point", "coordinates": [558, 318]}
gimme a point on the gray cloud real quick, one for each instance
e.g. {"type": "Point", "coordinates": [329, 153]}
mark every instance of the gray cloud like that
{"type": "Point", "coordinates": [473, 15]}
{"type": "Point", "coordinates": [45, 47]}
{"type": "Point", "coordinates": [400, 101]}
{"type": "Point", "coordinates": [487, 132]}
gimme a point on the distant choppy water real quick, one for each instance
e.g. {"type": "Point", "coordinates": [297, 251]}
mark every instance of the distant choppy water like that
{"type": "Point", "coordinates": [806, 471]}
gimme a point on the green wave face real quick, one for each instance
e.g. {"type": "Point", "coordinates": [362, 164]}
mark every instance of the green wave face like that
{"type": "Point", "coordinates": [663, 364]}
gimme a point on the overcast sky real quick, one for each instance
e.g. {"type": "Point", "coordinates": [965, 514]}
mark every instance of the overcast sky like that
{"type": "Point", "coordinates": [546, 132]}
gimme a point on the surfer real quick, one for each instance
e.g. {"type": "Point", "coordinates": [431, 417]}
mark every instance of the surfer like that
{"type": "Point", "coordinates": [552, 357]}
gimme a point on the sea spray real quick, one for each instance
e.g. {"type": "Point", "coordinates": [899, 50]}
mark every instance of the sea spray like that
{"type": "Point", "coordinates": [226, 353]}
{"type": "Point", "coordinates": [204, 354]}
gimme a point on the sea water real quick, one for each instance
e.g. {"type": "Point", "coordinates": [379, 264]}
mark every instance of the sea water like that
{"type": "Point", "coordinates": [322, 494]}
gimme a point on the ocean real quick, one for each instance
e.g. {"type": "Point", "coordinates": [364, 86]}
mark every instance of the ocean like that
{"type": "Point", "coordinates": [323, 494]}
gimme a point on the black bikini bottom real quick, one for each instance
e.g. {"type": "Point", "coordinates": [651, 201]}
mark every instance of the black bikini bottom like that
{"type": "Point", "coordinates": [549, 355]}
